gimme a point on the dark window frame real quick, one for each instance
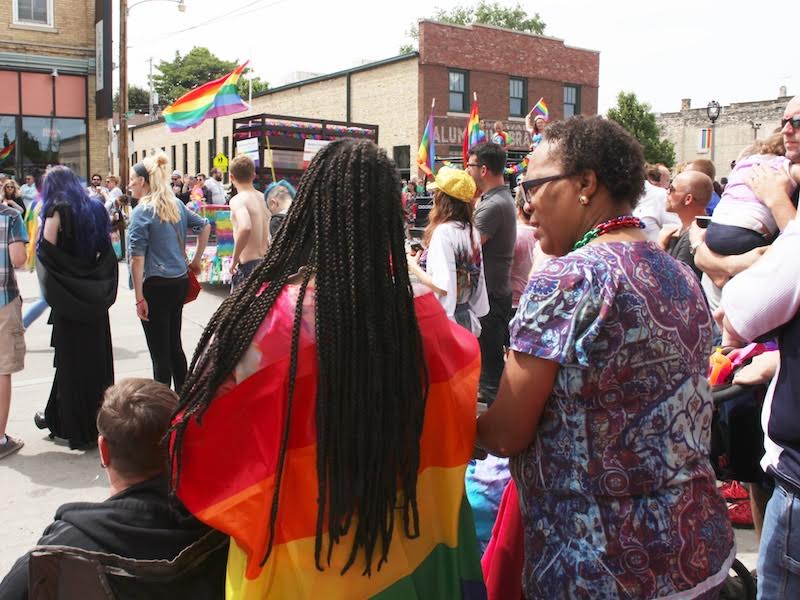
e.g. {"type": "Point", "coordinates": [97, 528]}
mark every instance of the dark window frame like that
{"type": "Point", "coordinates": [197, 157]}
{"type": "Point", "coordinates": [174, 157]}
{"type": "Point", "coordinates": [185, 159]}
{"type": "Point", "coordinates": [523, 98]}
{"type": "Point", "coordinates": [465, 93]}
{"type": "Point", "coordinates": [576, 104]}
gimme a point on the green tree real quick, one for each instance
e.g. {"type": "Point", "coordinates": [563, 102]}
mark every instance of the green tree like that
{"type": "Point", "coordinates": [198, 66]}
{"type": "Point", "coordinates": [486, 13]}
{"type": "Point", "coordinates": [640, 121]}
{"type": "Point", "coordinates": [138, 99]}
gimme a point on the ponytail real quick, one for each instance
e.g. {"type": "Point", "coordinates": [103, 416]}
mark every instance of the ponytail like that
{"type": "Point", "coordinates": [160, 198]}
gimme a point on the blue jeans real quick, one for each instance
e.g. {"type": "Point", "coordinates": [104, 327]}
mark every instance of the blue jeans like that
{"type": "Point", "coordinates": [34, 311]}
{"type": "Point", "coordinates": [779, 552]}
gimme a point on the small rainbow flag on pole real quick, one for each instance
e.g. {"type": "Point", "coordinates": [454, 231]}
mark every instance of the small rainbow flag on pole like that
{"type": "Point", "coordinates": [473, 134]}
{"type": "Point", "coordinates": [214, 99]}
{"type": "Point", "coordinates": [6, 152]}
{"type": "Point", "coordinates": [705, 139]}
{"type": "Point", "coordinates": [541, 109]}
{"type": "Point", "coordinates": [427, 147]}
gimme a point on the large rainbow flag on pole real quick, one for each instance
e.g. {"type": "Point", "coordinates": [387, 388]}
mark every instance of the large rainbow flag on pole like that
{"type": "Point", "coordinates": [229, 466]}
{"type": "Point", "coordinates": [427, 147]}
{"type": "Point", "coordinates": [472, 134]}
{"type": "Point", "coordinates": [214, 99]}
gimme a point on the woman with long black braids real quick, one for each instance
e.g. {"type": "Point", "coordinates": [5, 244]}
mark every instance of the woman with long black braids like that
{"type": "Point", "coordinates": [329, 414]}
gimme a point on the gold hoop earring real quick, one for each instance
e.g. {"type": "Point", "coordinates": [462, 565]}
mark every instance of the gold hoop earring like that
{"type": "Point", "coordinates": [583, 200]}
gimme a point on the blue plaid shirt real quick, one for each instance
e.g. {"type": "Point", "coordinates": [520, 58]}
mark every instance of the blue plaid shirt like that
{"type": "Point", "coordinates": [12, 230]}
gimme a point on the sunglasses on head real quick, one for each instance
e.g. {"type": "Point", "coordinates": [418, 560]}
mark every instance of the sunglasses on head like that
{"type": "Point", "coordinates": [795, 121]}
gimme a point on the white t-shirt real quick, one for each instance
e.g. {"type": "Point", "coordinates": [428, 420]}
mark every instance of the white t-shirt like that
{"type": "Point", "coordinates": [652, 210]}
{"type": "Point", "coordinates": [455, 263]}
{"type": "Point", "coordinates": [217, 191]}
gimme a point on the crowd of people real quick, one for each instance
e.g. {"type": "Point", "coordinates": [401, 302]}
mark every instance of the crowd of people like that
{"type": "Point", "coordinates": [542, 362]}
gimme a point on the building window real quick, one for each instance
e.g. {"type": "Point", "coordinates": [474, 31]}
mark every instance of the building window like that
{"type": "Point", "coordinates": [517, 97]}
{"type": "Point", "coordinates": [144, 154]}
{"type": "Point", "coordinates": [212, 152]}
{"type": "Point", "coordinates": [47, 141]}
{"type": "Point", "coordinates": [459, 88]}
{"type": "Point", "coordinates": [572, 100]}
{"type": "Point", "coordinates": [134, 158]}
{"type": "Point", "coordinates": [8, 145]}
{"type": "Point", "coordinates": [174, 161]}
{"type": "Point", "coordinates": [196, 157]}
{"type": "Point", "coordinates": [33, 12]}
{"type": "Point", "coordinates": [225, 148]}
{"type": "Point", "coordinates": [185, 159]}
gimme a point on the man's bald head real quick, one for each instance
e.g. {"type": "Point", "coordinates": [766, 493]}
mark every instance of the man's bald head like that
{"type": "Point", "coordinates": [698, 184]}
{"type": "Point", "coordinates": [791, 134]}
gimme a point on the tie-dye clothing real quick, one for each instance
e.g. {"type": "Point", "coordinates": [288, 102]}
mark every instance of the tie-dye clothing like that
{"type": "Point", "coordinates": [617, 494]}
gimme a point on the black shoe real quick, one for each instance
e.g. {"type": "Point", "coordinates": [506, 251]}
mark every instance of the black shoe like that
{"type": "Point", "coordinates": [39, 420]}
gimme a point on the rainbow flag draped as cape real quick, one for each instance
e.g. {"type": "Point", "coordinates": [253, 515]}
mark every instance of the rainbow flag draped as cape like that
{"type": "Point", "coordinates": [214, 99]}
{"type": "Point", "coordinates": [472, 134]}
{"type": "Point", "coordinates": [541, 109]}
{"type": "Point", "coordinates": [6, 152]}
{"type": "Point", "coordinates": [427, 148]}
{"type": "Point", "coordinates": [32, 223]}
{"type": "Point", "coordinates": [229, 463]}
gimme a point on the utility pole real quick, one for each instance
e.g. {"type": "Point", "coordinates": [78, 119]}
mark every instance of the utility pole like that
{"type": "Point", "coordinates": [150, 110]}
{"type": "Point", "coordinates": [123, 94]}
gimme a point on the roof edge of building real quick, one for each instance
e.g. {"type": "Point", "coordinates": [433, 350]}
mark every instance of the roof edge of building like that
{"type": "Point", "coordinates": [528, 33]}
{"type": "Point", "coordinates": [317, 79]}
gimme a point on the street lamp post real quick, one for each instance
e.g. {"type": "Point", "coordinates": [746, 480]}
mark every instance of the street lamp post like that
{"type": "Point", "coordinates": [124, 11]}
{"type": "Point", "coordinates": [712, 110]}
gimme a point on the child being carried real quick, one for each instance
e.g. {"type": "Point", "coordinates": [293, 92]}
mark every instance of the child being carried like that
{"type": "Point", "coordinates": [740, 222]}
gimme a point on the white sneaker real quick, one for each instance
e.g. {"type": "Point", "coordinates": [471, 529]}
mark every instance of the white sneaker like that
{"type": "Point", "coordinates": [12, 445]}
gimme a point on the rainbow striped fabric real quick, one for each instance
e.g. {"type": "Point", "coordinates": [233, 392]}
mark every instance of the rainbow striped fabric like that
{"type": "Point", "coordinates": [427, 149]}
{"type": "Point", "coordinates": [6, 152]}
{"type": "Point", "coordinates": [229, 465]}
{"type": "Point", "coordinates": [214, 99]}
{"type": "Point", "coordinates": [473, 134]}
{"type": "Point", "coordinates": [541, 109]}
{"type": "Point", "coordinates": [705, 139]}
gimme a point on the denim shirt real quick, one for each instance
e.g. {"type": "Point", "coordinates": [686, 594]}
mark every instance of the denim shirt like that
{"type": "Point", "coordinates": [157, 240]}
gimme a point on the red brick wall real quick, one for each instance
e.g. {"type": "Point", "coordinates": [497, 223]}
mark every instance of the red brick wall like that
{"type": "Point", "coordinates": [491, 56]}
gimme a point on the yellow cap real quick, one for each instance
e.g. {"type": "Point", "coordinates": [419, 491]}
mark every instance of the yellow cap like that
{"type": "Point", "coordinates": [454, 182]}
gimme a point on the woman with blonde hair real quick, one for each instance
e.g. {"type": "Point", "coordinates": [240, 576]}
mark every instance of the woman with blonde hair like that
{"type": "Point", "coordinates": [156, 247]}
{"type": "Point", "coordinates": [12, 196]}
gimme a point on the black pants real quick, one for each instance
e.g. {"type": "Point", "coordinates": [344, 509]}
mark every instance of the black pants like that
{"type": "Point", "coordinates": [494, 336]}
{"type": "Point", "coordinates": [163, 329]}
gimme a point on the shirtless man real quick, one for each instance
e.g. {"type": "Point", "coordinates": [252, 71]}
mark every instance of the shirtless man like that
{"type": "Point", "coordinates": [249, 218]}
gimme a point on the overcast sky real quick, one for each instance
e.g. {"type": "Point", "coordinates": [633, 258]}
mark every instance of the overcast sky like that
{"type": "Point", "coordinates": [662, 51]}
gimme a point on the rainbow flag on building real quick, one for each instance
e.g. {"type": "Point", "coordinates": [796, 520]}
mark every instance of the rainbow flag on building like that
{"type": "Point", "coordinates": [427, 149]}
{"type": "Point", "coordinates": [214, 99]}
{"type": "Point", "coordinates": [6, 152]}
{"type": "Point", "coordinates": [706, 135]}
{"type": "Point", "coordinates": [229, 463]}
{"type": "Point", "coordinates": [473, 134]}
{"type": "Point", "coordinates": [541, 109]}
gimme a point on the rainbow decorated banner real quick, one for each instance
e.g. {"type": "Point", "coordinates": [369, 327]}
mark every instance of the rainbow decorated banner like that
{"type": "Point", "coordinates": [706, 139]}
{"type": "Point", "coordinates": [6, 152]}
{"type": "Point", "coordinates": [427, 148]}
{"type": "Point", "coordinates": [214, 99]}
{"type": "Point", "coordinates": [540, 109]}
{"type": "Point", "coordinates": [473, 134]}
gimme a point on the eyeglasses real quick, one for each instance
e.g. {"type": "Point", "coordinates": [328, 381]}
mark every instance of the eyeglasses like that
{"type": "Point", "coordinates": [474, 165]}
{"type": "Point", "coordinates": [795, 121]}
{"type": "Point", "coordinates": [529, 186]}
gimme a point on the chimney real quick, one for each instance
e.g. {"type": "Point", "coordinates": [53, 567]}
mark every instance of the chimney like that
{"type": "Point", "coordinates": [782, 91]}
{"type": "Point", "coordinates": [686, 104]}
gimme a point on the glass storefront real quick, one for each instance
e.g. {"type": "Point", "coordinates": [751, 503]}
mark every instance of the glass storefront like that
{"type": "Point", "coordinates": [8, 146]}
{"type": "Point", "coordinates": [50, 141]}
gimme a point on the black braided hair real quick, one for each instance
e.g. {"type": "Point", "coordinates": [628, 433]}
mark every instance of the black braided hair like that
{"type": "Point", "coordinates": [346, 228]}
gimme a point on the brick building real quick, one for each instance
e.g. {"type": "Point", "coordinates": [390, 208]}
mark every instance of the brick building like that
{"type": "Point", "coordinates": [738, 125]}
{"type": "Point", "coordinates": [48, 110]}
{"type": "Point", "coordinates": [507, 69]}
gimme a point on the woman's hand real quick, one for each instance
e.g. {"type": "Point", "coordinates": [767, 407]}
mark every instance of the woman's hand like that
{"type": "Point", "coordinates": [142, 310]}
{"type": "Point", "coordinates": [667, 232]}
{"type": "Point", "coordinates": [770, 186]}
{"type": "Point", "coordinates": [413, 257]}
{"type": "Point", "coordinates": [760, 370]}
